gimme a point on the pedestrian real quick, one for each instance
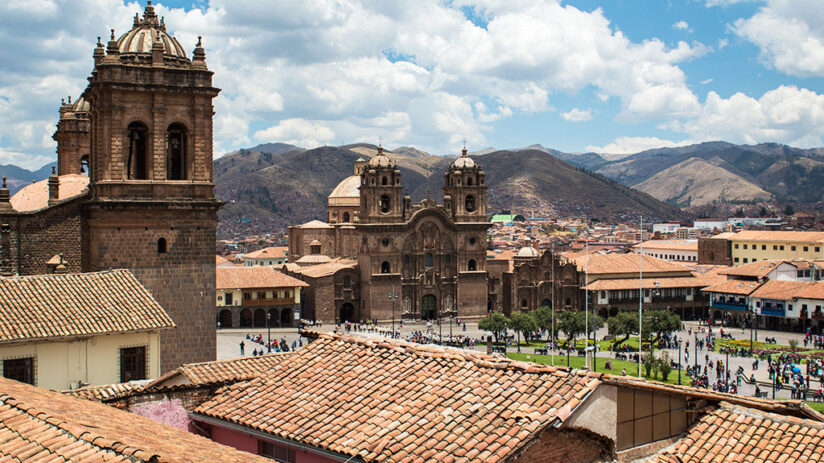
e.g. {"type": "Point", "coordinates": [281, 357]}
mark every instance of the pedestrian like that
{"type": "Point", "coordinates": [623, 371]}
{"type": "Point", "coordinates": [242, 347]}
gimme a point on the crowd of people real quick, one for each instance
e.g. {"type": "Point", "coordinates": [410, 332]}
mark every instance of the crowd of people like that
{"type": "Point", "coordinates": [269, 346]}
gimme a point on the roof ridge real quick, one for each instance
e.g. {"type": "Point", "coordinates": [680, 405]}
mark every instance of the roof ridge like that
{"type": "Point", "coordinates": [65, 275]}
{"type": "Point", "coordinates": [764, 415]}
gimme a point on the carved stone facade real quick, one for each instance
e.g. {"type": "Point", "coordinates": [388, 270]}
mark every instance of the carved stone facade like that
{"type": "Point", "coordinates": [430, 257]}
{"type": "Point", "coordinates": [143, 132]}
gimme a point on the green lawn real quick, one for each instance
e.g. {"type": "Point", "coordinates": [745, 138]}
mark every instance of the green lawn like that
{"type": "Point", "coordinates": [817, 406]}
{"type": "Point", "coordinates": [617, 365]}
{"type": "Point", "coordinates": [579, 343]}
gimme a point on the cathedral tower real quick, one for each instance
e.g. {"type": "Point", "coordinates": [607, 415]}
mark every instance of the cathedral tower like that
{"type": "Point", "coordinates": [152, 207]}
{"type": "Point", "coordinates": [381, 193]}
{"type": "Point", "coordinates": [464, 190]}
{"type": "Point", "coordinates": [72, 137]}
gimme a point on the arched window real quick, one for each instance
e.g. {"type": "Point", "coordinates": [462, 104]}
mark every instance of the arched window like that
{"type": "Point", "coordinates": [84, 164]}
{"type": "Point", "coordinates": [471, 265]}
{"type": "Point", "coordinates": [383, 181]}
{"type": "Point", "coordinates": [346, 217]}
{"type": "Point", "coordinates": [406, 259]}
{"type": "Point", "coordinates": [428, 259]}
{"type": "Point", "coordinates": [385, 204]}
{"type": "Point", "coordinates": [176, 152]}
{"type": "Point", "coordinates": [385, 267]}
{"type": "Point", "coordinates": [523, 302]}
{"type": "Point", "coordinates": [347, 281]}
{"type": "Point", "coordinates": [469, 181]}
{"type": "Point", "coordinates": [161, 245]}
{"type": "Point", "coordinates": [137, 165]}
{"type": "Point", "coordinates": [469, 204]}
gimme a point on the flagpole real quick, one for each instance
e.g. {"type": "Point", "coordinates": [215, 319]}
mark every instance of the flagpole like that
{"type": "Point", "coordinates": [586, 294]}
{"type": "Point", "coordinates": [640, 292]}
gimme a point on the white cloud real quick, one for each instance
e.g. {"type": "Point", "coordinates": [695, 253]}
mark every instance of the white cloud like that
{"type": "Point", "coordinates": [577, 115]}
{"type": "Point", "coordinates": [631, 145]}
{"type": "Point", "coordinates": [298, 132]}
{"type": "Point", "coordinates": [707, 81]}
{"type": "Point", "coordinates": [681, 25]}
{"type": "Point", "coordinates": [790, 35]}
{"type": "Point", "coordinates": [711, 3]}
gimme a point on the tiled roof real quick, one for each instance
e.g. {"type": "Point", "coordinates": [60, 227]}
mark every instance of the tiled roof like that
{"type": "Point", "coordinates": [742, 287]}
{"type": "Point", "coordinates": [323, 270]}
{"type": "Point", "coordinates": [219, 372]}
{"type": "Point", "coordinates": [315, 224]}
{"type": "Point", "coordinates": [392, 401]}
{"type": "Point", "coordinates": [787, 290]}
{"type": "Point", "coordinates": [273, 252]}
{"type": "Point", "coordinates": [738, 434]}
{"type": "Point", "coordinates": [76, 304]}
{"type": "Point", "coordinates": [36, 195]}
{"type": "Point", "coordinates": [783, 236]}
{"type": "Point", "coordinates": [254, 277]}
{"type": "Point", "coordinates": [107, 391]}
{"type": "Point", "coordinates": [40, 425]}
{"type": "Point", "coordinates": [758, 269]}
{"type": "Point", "coordinates": [649, 283]}
{"type": "Point", "coordinates": [675, 245]}
{"type": "Point", "coordinates": [623, 263]}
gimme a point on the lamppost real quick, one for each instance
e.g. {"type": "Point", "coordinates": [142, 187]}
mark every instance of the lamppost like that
{"type": "Point", "coordinates": [393, 296]}
{"type": "Point", "coordinates": [678, 346]}
{"type": "Point", "coordinates": [752, 324]}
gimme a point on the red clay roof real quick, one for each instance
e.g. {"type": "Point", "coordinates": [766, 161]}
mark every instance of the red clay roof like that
{"type": "Point", "coordinates": [254, 277]}
{"type": "Point", "coordinates": [392, 401]}
{"type": "Point", "coordinates": [41, 425]}
{"type": "Point", "coordinates": [76, 304]}
{"type": "Point", "coordinates": [218, 372]}
{"type": "Point", "coordinates": [275, 252]}
{"type": "Point", "coordinates": [738, 434]}
{"type": "Point", "coordinates": [107, 391]}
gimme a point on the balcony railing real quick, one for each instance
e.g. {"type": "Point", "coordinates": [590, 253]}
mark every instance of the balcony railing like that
{"type": "Point", "coordinates": [269, 301]}
{"type": "Point", "coordinates": [774, 311]}
{"type": "Point", "coordinates": [729, 305]}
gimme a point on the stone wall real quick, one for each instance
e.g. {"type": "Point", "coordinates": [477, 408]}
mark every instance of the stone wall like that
{"type": "Point", "coordinates": [569, 446]}
{"type": "Point", "coordinates": [714, 251]}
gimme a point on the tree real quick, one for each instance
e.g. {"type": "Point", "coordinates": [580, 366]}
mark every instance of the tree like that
{"type": "Point", "coordinates": [572, 324]}
{"type": "Point", "coordinates": [524, 323]}
{"type": "Point", "coordinates": [543, 317]}
{"type": "Point", "coordinates": [660, 322]}
{"type": "Point", "coordinates": [624, 324]}
{"type": "Point", "coordinates": [650, 364]}
{"type": "Point", "coordinates": [763, 212]}
{"type": "Point", "coordinates": [495, 323]}
{"type": "Point", "coordinates": [664, 366]}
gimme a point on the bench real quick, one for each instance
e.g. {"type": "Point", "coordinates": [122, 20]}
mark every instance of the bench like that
{"type": "Point", "coordinates": [499, 349]}
{"type": "Point", "coordinates": [540, 351]}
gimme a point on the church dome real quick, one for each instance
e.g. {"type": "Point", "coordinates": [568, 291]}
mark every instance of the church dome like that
{"type": "Point", "coordinates": [382, 160]}
{"type": "Point", "coordinates": [145, 33]}
{"type": "Point", "coordinates": [527, 251]}
{"type": "Point", "coordinates": [463, 162]}
{"type": "Point", "coordinates": [81, 105]}
{"type": "Point", "coordinates": [347, 188]}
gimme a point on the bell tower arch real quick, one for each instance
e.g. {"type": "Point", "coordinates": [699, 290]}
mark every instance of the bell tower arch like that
{"type": "Point", "coordinates": [381, 192]}
{"type": "Point", "coordinates": [464, 190]}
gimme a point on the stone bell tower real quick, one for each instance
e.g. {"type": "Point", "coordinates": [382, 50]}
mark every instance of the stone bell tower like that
{"type": "Point", "coordinates": [381, 193]}
{"type": "Point", "coordinates": [464, 190]}
{"type": "Point", "coordinates": [152, 207]}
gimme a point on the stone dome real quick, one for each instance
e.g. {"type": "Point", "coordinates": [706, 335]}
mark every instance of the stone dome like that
{"type": "Point", "coordinates": [145, 32]}
{"type": "Point", "coordinates": [527, 251]}
{"type": "Point", "coordinates": [347, 188]}
{"type": "Point", "coordinates": [382, 160]}
{"type": "Point", "coordinates": [463, 162]}
{"type": "Point", "coordinates": [81, 105]}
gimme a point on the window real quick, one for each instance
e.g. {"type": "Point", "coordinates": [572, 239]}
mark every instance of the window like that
{"type": "Point", "coordinates": [763, 247]}
{"type": "Point", "coordinates": [137, 166]}
{"type": "Point", "coordinates": [176, 152]}
{"type": "Point", "coordinates": [247, 296]}
{"type": "Point", "coordinates": [469, 181]}
{"type": "Point", "coordinates": [817, 249]}
{"type": "Point", "coordinates": [346, 217]}
{"type": "Point", "coordinates": [746, 260]}
{"type": "Point", "coordinates": [782, 247]}
{"type": "Point", "coordinates": [276, 452]}
{"type": "Point", "coordinates": [385, 267]}
{"type": "Point", "coordinates": [523, 302]}
{"type": "Point", "coordinates": [406, 259]}
{"type": "Point", "coordinates": [447, 258]}
{"type": "Point", "coordinates": [792, 248]}
{"type": "Point", "coordinates": [228, 297]}
{"type": "Point", "coordinates": [161, 246]}
{"type": "Point", "coordinates": [806, 248]}
{"type": "Point", "coordinates": [84, 164]}
{"type": "Point", "coordinates": [775, 247]}
{"type": "Point", "coordinates": [736, 245]}
{"type": "Point", "coordinates": [471, 265]}
{"type": "Point", "coordinates": [261, 295]}
{"type": "Point", "coordinates": [428, 260]}
{"type": "Point", "coordinates": [385, 204]}
{"type": "Point", "coordinates": [469, 204]}
{"type": "Point", "coordinates": [132, 363]}
{"type": "Point", "coordinates": [347, 281]}
{"type": "Point", "coordinates": [19, 370]}
{"type": "Point", "coordinates": [745, 245]}
{"type": "Point", "coordinates": [472, 240]}
{"type": "Point", "coordinates": [385, 242]}
{"type": "Point", "coordinates": [736, 259]}
{"type": "Point", "coordinates": [384, 181]}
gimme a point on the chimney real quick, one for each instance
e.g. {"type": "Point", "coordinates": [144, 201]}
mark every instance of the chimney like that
{"type": "Point", "coordinates": [61, 267]}
{"type": "Point", "coordinates": [54, 187]}
{"type": "Point", "coordinates": [5, 204]}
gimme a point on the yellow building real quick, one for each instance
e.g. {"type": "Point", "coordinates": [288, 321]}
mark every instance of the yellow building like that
{"type": "Point", "coordinates": [63, 331]}
{"type": "Point", "coordinates": [754, 246]}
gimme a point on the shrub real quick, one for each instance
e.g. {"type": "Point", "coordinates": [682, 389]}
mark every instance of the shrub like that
{"type": "Point", "coordinates": [649, 365]}
{"type": "Point", "coordinates": [664, 366]}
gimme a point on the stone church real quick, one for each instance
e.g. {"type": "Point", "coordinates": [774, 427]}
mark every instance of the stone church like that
{"type": "Point", "coordinates": [379, 253]}
{"type": "Point", "coordinates": [134, 186]}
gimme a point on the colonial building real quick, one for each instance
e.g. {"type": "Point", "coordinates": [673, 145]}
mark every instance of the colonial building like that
{"type": "Point", "coordinates": [256, 296]}
{"type": "Point", "coordinates": [143, 131]}
{"type": "Point", "coordinates": [432, 255]}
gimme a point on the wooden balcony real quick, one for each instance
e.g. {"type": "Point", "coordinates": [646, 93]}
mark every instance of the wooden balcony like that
{"type": "Point", "coordinates": [268, 301]}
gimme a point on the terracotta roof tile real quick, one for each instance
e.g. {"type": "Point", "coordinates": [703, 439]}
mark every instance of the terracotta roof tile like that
{"type": "Point", "coordinates": [735, 433]}
{"type": "Point", "coordinates": [107, 391]}
{"type": "Point", "coordinates": [36, 195]}
{"type": "Point", "coordinates": [393, 401]}
{"type": "Point", "coordinates": [274, 252]}
{"type": "Point", "coordinates": [254, 277]}
{"type": "Point", "coordinates": [220, 371]}
{"type": "Point", "coordinates": [784, 236]}
{"type": "Point", "coordinates": [622, 263]}
{"type": "Point", "coordinates": [40, 425]}
{"type": "Point", "coordinates": [77, 304]}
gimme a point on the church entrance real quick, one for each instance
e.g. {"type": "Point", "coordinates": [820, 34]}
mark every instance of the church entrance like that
{"type": "Point", "coordinates": [429, 307]}
{"type": "Point", "coordinates": [225, 318]}
{"type": "Point", "coordinates": [347, 312]}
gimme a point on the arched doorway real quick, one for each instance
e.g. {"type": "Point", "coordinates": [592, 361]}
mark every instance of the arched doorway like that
{"type": "Point", "coordinates": [246, 318]}
{"type": "Point", "coordinates": [347, 312]}
{"type": "Point", "coordinates": [546, 303]}
{"type": "Point", "coordinates": [286, 317]}
{"type": "Point", "coordinates": [225, 318]}
{"type": "Point", "coordinates": [260, 318]}
{"type": "Point", "coordinates": [429, 307]}
{"type": "Point", "coordinates": [274, 316]}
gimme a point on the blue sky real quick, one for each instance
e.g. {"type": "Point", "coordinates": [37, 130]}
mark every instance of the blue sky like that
{"type": "Point", "coordinates": [613, 76]}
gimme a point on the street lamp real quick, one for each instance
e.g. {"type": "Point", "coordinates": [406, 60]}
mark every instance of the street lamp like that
{"type": "Point", "coordinates": [393, 296]}
{"type": "Point", "coordinates": [268, 332]}
{"type": "Point", "coordinates": [678, 344]}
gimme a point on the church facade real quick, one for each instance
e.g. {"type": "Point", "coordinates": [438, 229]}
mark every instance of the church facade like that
{"type": "Point", "coordinates": [135, 187]}
{"type": "Point", "coordinates": [381, 257]}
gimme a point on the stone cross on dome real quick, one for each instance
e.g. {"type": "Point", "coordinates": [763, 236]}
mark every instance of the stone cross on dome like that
{"type": "Point", "coordinates": [463, 151]}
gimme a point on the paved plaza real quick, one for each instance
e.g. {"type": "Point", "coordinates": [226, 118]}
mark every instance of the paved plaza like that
{"type": "Point", "coordinates": [228, 346]}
